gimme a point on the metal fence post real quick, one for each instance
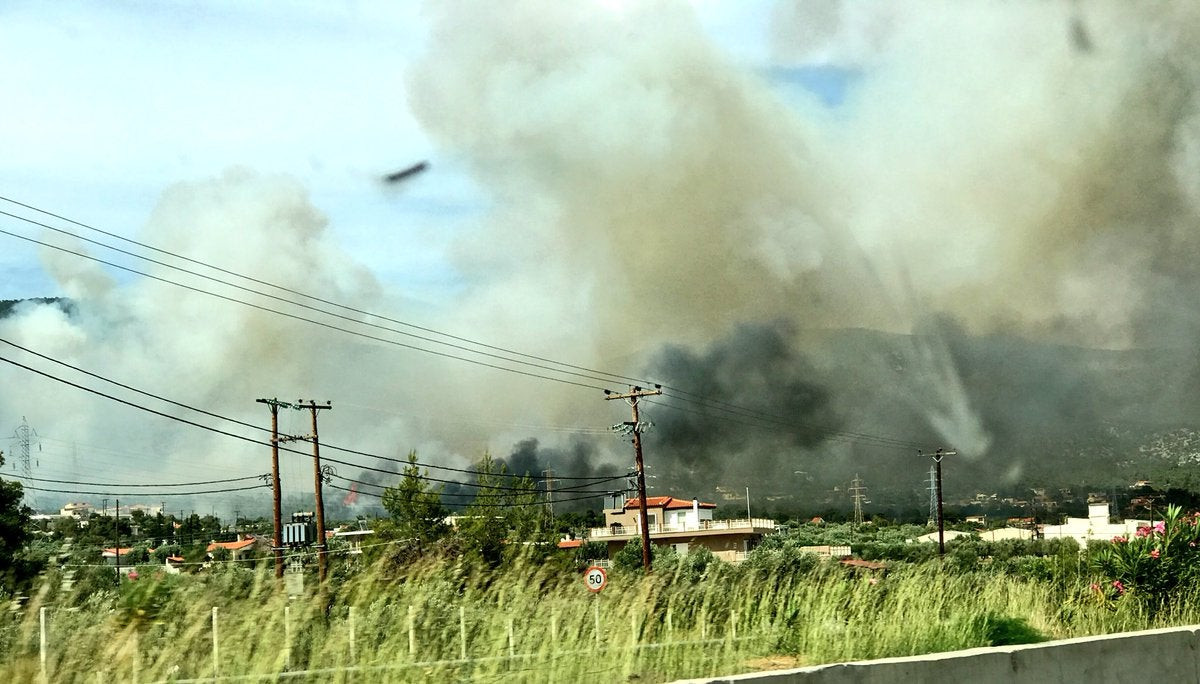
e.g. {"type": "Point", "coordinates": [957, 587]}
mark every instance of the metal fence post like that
{"type": "Point", "coordinates": [412, 631]}
{"type": "Point", "coordinates": [462, 632]}
{"type": "Point", "coordinates": [287, 637]}
{"type": "Point", "coordinates": [42, 642]}
{"type": "Point", "coordinates": [350, 619]}
{"type": "Point", "coordinates": [216, 656]}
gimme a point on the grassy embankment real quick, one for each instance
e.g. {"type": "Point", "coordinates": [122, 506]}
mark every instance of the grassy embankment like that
{"type": "Point", "coordinates": [414, 624]}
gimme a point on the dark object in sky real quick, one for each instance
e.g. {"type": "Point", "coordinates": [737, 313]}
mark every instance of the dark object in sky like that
{"type": "Point", "coordinates": [400, 175]}
{"type": "Point", "coordinates": [1081, 40]}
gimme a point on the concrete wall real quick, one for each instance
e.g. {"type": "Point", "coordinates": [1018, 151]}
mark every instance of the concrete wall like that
{"type": "Point", "coordinates": [1161, 655]}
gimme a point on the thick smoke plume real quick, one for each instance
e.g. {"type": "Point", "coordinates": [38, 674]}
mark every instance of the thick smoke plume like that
{"type": "Point", "coordinates": [998, 218]}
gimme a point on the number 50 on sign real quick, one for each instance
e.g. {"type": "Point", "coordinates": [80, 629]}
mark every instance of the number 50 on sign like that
{"type": "Point", "coordinates": [595, 578]}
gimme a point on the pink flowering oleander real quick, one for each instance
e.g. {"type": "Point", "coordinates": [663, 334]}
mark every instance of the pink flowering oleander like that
{"type": "Point", "coordinates": [1095, 587]}
{"type": "Point", "coordinates": [1120, 539]}
{"type": "Point", "coordinates": [1160, 527]}
{"type": "Point", "coordinates": [1118, 586]}
{"type": "Point", "coordinates": [1142, 532]}
{"type": "Point", "coordinates": [1154, 553]}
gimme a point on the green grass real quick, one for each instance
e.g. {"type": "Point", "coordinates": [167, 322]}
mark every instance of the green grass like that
{"type": "Point", "coordinates": [678, 622]}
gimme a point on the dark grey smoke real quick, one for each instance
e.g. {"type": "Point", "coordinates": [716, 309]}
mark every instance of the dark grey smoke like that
{"type": "Point", "coordinates": [695, 447]}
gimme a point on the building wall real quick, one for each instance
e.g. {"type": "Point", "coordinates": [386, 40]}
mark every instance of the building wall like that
{"type": "Point", "coordinates": [724, 546]}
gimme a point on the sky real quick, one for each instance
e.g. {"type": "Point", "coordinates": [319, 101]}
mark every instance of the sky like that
{"type": "Point", "coordinates": [108, 104]}
{"type": "Point", "coordinates": [700, 192]}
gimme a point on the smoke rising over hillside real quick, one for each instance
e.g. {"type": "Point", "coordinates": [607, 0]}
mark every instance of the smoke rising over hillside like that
{"type": "Point", "coordinates": [1024, 173]}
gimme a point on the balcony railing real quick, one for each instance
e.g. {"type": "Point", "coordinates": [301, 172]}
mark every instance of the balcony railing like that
{"type": "Point", "coordinates": [749, 524]}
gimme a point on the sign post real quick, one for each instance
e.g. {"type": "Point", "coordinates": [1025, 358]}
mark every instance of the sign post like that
{"type": "Point", "coordinates": [596, 579]}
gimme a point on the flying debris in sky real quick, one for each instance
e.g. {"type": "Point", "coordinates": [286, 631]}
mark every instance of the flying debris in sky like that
{"type": "Point", "coordinates": [397, 176]}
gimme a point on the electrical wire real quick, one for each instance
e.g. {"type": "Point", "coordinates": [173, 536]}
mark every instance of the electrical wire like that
{"type": "Point", "coordinates": [588, 373]}
{"type": "Point", "coordinates": [252, 426]}
{"type": "Point", "coordinates": [161, 494]}
{"type": "Point", "coordinates": [159, 484]}
{"type": "Point", "coordinates": [487, 505]}
{"type": "Point", "coordinates": [244, 438]}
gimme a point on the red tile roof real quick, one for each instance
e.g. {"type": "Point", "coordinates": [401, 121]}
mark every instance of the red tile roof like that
{"type": "Point", "coordinates": [232, 546]}
{"type": "Point", "coordinates": [667, 502]}
{"type": "Point", "coordinates": [570, 543]}
{"type": "Point", "coordinates": [113, 552]}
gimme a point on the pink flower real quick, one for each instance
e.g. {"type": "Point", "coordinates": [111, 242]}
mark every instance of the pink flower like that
{"type": "Point", "coordinates": [1160, 527]}
{"type": "Point", "coordinates": [1192, 544]}
{"type": "Point", "coordinates": [1118, 586]}
{"type": "Point", "coordinates": [1142, 532]}
{"type": "Point", "coordinates": [1120, 539]}
{"type": "Point", "coordinates": [1154, 553]}
{"type": "Point", "coordinates": [1095, 587]}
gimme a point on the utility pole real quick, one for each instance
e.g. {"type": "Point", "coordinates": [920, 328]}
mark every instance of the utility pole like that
{"type": "Point", "coordinates": [631, 397]}
{"type": "Point", "coordinates": [24, 436]}
{"type": "Point", "coordinates": [857, 492]}
{"type": "Point", "coordinates": [937, 462]}
{"type": "Point", "coordinates": [318, 477]}
{"type": "Point", "coordinates": [277, 539]}
{"type": "Point", "coordinates": [117, 532]}
{"type": "Point", "coordinates": [548, 478]}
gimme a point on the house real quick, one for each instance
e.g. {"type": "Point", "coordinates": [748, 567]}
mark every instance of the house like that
{"type": "Point", "coordinates": [76, 510]}
{"type": "Point", "coordinates": [238, 550]}
{"type": "Point", "coordinates": [110, 555]}
{"type": "Point", "coordinates": [354, 538]}
{"type": "Point", "coordinates": [682, 524]}
{"type": "Point", "coordinates": [1004, 533]}
{"type": "Point", "coordinates": [1095, 526]}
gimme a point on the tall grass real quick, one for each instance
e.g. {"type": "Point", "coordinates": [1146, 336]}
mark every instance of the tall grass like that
{"type": "Point", "coordinates": [534, 621]}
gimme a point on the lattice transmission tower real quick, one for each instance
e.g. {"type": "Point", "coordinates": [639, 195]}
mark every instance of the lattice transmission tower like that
{"type": "Point", "coordinates": [25, 437]}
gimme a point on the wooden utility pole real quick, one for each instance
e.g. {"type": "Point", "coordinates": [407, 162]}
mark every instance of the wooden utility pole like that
{"type": "Point", "coordinates": [318, 478]}
{"type": "Point", "coordinates": [277, 539]}
{"type": "Point", "coordinates": [632, 397]}
{"type": "Point", "coordinates": [117, 532]}
{"type": "Point", "coordinates": [937, 460]}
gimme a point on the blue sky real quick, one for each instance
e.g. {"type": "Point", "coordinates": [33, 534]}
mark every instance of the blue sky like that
{"type": "Point", "coordinates": [108, 104]}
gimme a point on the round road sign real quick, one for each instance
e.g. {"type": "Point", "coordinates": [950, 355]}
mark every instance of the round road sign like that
{"type": "Point", "coordinates": [595, 578]}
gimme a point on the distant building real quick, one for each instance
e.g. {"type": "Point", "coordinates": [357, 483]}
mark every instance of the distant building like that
{"type": "Point", "coordinates": [77, 510]}
{"type": "Point", "coordinates": [683, 524]}
{"type": "Point", "coordinates": [1095, 526]}
{"type": "Point", "coordinates": [354, 538]}
{"type": "Point", "coordinates": [237, 549]}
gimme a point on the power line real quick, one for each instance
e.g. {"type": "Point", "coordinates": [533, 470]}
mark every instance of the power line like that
{"type": "Point", "coordinates": [298, 317]}
{"type": "Point", "coordinates": [587, 373]}
{"type": "Point", "coordinates": [242, 437]}
{"type": "Point", "coordinates": [159, 484]}
{"type": "Point", "coordinates": [611, 376]}
{"type": "Point", "coordinates": [487, 505]}
{"type": "Point", "coordinates": [234, 420]}
{"type": "Point", "coordinates": [164, 494]}
{"type": "Point", "coordinates": [518, 490]}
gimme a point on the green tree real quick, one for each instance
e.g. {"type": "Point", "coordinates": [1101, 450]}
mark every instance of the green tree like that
{"type": "Point", "coordinates": [14, 528]}
{"type": "Point", "coordinates": [483, 529]}
{"type": "Point", "coordinates": [415, 506]}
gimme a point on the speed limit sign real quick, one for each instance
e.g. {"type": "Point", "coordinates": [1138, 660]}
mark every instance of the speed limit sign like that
{"type": "Point", "coordinates": [595, 578]}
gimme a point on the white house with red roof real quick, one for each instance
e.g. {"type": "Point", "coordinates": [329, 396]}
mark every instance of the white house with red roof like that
{"type": "Point", "coordinates": [683, 524]}
{"type": "Point", "coordinates": [237, 549]}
